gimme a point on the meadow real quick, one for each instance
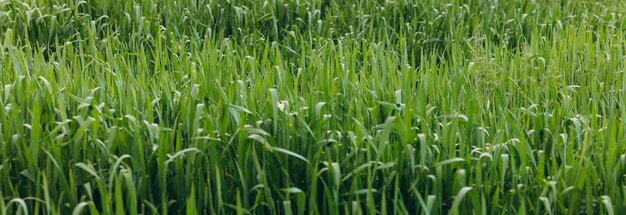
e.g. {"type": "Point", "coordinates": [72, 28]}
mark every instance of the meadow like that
{"type": "Point", "coordinates": [312, 107]}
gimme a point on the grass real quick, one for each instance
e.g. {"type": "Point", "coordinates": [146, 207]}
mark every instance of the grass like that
{"type": "Point", "coordinates": [312, 107]}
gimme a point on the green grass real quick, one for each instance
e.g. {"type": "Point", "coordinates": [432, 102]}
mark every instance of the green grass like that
{"type": "Point", "coordinates": [312, 107]}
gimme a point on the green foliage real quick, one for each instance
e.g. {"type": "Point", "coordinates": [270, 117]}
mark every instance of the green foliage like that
{"type": "Point", "coordinates": [312, 107]}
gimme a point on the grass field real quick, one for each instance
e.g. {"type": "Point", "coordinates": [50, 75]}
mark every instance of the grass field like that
{"type": "Point", "coordinates": [312, 107]}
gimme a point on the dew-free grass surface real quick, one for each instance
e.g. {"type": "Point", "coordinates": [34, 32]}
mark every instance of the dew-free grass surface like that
{"type": "Point", "coordinates": [312, 107]}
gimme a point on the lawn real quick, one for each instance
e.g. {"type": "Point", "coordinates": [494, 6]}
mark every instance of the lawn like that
{"type": "Point", "coordinates": [312, 107]}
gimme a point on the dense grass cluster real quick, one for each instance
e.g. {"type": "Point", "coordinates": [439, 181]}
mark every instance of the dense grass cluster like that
{"type": "Point", "coordinates": [312, 107]}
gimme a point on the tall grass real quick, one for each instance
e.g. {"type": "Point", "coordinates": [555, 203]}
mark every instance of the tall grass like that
{"type": "Point", "coordinates": [312, 107]}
